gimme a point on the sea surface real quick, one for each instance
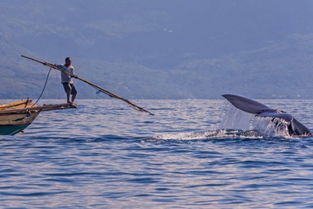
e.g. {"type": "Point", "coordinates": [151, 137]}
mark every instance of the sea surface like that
{"type": "Point", "coordinates": [106, 155]}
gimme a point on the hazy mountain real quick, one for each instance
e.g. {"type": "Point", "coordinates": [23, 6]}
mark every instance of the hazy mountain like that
{"type": "Point", "coordinates": [160, 48]}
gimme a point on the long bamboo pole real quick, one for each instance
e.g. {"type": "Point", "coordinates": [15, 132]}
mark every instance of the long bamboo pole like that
{"type": "Point", "coordinates": [136, 107]}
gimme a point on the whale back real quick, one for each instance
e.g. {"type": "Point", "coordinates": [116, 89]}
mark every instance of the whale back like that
{"type": "Point", "coordinates": [299, 129]}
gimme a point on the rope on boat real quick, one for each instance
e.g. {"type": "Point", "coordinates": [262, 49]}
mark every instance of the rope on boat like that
{"type": "Point", "coordinates": [44, 87]}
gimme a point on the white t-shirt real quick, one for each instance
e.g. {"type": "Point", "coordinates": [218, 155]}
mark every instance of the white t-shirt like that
{"type": "Point", "coordinates": [66, 78]}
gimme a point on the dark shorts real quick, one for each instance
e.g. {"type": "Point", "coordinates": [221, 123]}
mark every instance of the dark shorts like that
{"type": "Point", "coordinates": [69, 88]}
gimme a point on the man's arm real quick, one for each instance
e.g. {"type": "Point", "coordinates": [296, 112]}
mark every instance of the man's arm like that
{"type": "Point", "coordinates": [65, 69]}
{"type": "Point", "coordinates": [72, 69]}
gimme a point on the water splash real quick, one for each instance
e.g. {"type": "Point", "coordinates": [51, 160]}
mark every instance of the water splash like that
{"type": "Point", "coordinates": [236, 123]}
{"type": "Point", "coordinates": [234, 118]}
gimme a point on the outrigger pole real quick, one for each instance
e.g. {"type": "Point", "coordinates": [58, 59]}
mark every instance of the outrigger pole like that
{"type": "Point", "coordinates": [136, 107]}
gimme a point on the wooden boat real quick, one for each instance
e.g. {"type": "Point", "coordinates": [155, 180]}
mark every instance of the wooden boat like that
{"type": "Point", "coordinates": [16, 116]}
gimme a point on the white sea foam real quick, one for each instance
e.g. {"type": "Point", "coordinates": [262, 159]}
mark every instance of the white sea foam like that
{"type": "Point", "coordinates": [220, 133]}
{"type": "Point", "coordinates": [236, 124]}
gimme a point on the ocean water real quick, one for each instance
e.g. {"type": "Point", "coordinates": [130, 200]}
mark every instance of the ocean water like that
{"type": "Point", "coordinates": [106, 155]}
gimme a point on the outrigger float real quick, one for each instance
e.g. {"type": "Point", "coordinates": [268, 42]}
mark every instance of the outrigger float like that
{"type": "Point", "coordinates": [16, 116]}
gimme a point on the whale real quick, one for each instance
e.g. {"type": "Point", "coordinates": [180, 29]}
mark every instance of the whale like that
{"type": "Point", "coordinates": [295, 128]}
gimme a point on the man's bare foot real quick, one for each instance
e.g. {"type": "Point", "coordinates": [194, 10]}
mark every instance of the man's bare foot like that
{"type": "Point", "coordinates": [72, 104]}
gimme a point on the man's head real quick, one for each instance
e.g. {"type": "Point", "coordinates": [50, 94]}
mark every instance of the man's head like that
{"type": "Point", "coordinates": [68, 61]}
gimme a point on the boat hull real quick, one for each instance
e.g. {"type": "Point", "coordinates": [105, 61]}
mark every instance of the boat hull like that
{"type": "Point", "coordinates": [14, 123]}
{"type": "Point", "coordinates": [16, 116]}
{"type": "Point", "coordinates": [11, 129]}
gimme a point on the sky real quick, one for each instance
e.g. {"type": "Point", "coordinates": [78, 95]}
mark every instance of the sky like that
{"type": "Point", "coordinates": [161, 49]}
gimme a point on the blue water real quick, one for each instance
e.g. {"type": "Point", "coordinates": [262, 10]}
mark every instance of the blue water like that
{"type": "Point", "coordinates": [106, 155]}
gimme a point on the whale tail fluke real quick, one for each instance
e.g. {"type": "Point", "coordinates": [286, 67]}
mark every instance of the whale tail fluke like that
{"type": "Point", "coordinates": [245, 104]}
{"type": "Point", "coordinates": [295, 128]}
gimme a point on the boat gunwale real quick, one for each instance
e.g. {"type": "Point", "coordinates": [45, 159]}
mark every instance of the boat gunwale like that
{"type": "Point", "coordinates": [45, 107]}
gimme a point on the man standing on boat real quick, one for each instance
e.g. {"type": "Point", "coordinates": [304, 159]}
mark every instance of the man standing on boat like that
{"type": "Point", "coordinates": [67, 81]}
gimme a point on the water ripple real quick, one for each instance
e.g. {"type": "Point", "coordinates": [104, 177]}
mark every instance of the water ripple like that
{"type": "Point", "coordinates": [119, 158]}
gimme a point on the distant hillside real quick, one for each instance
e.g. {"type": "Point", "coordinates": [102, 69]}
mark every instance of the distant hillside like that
{"type": "Point", "coordinates": [160, 49]}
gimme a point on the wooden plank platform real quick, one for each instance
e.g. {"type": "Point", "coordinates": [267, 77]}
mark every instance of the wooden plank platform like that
{"type": "Point", "coordinates": [45, 107]}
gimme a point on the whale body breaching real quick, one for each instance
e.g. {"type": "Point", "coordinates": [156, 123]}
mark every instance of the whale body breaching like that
{"type": "Point", "coordinates": [295, 128]}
